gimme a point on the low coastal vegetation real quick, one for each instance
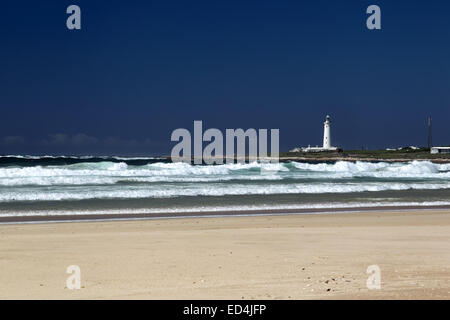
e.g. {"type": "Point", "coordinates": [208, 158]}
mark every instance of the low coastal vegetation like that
{"type": "Point", "coordinates": [404, 154]}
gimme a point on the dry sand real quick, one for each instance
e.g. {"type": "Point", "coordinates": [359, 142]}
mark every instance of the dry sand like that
{"type": "Point", "coordinates": [318, 256]}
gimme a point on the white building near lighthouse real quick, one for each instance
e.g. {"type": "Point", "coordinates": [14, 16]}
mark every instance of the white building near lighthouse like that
{"type": "Point", "coordinates": [326, 146]}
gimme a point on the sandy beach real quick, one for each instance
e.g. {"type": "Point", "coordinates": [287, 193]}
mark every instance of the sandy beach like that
{"type": "Point", "coordinates": [315, 256]}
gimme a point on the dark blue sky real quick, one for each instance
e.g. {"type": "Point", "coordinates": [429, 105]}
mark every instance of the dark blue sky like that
{"type": "Point", "coordinates": [137, 70]}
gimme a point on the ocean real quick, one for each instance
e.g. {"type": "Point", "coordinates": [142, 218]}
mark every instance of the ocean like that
{"type": "Point", "coordinates": [40, 186]}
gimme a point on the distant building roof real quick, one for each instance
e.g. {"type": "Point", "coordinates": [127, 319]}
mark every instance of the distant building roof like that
{"type": "Point", "coordinates": [440, 150]}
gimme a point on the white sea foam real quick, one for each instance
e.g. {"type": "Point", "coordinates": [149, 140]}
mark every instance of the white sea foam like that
{"type": "Point", "coordinates": [418, 169]}
{"type": "Point", "coordinates": [415, 168]}
{"type": "Point", "coordinates": [166, 191]}
{"type": "Point", "coordinates": [117, 180]}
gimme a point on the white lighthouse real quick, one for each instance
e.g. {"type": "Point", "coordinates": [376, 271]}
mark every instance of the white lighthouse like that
{"type": "Point", "coordinates": [326, 140]}
{"type": "Point", "coordinates": [327, 134]}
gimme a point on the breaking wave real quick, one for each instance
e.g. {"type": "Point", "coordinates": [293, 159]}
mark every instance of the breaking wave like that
{"type": "Point", "coordinates": [124, 179]}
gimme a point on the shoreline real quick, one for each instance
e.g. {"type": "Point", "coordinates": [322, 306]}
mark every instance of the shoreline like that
{"type": "Point", "coordinates": [73, 218]}
{"type": "Point", "coordinates": [363, 159]}
{"type": "Point", "coordinates": [332, 158]}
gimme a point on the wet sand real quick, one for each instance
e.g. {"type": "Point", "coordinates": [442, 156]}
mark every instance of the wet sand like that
{"type": "Point", "coordinates": [305, 256]}
{"type": "Point", "coordinates": [197, 214]}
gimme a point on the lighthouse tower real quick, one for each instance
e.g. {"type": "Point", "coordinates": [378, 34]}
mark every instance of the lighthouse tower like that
{"type": "Point", "coordinates": [326, 140]}
{"type": "Point", "coordinates": [327, 134]}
